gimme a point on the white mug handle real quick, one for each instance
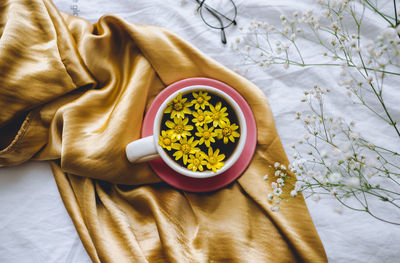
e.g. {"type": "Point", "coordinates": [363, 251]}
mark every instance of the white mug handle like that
{"type": "Point", "coordinates": [142, 150]}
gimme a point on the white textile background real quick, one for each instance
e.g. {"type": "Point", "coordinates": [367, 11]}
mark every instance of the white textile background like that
{"type": "Point", "coordinates": [34, 226]}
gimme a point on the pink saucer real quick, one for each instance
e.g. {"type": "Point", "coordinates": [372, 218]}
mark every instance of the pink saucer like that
{"type": "Point", "coordinates": [202, 184]}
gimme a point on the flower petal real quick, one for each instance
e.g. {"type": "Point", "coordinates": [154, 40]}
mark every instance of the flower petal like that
{"type": "Point", "coordinates": [170, 124]}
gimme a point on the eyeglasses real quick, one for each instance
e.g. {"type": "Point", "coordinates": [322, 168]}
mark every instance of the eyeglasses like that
{"type": "Point", "coordinates": [218, 19]}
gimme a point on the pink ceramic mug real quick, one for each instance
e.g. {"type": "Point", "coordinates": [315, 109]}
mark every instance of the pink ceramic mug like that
{"type": "Point", "coordinates": [147, 148]}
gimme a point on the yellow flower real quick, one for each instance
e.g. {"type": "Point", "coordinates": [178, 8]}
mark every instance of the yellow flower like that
{"type": "Point", "coordinates": [165, 140]}
{"type": "Point", "coordinates": [196, 162]}
{"type": "Point", "coordinates": [179, 128]}
{"type": "Point", "coordinates": [228, 132]}
{"type": "Point", "coordinates": [184, 148]}
{"type": "Point", "coordinates": [200, 100]}
{"type": "Point", "coordinates": [218, 115]}
{"type": "Point", "coordinates": [201, 117]}
{"type": "Point", "coordinates": [206, 135]}
{"type": "Point", "coordinates": [178, 107]}
{"type": "Point", "coordinates": [214, 159]}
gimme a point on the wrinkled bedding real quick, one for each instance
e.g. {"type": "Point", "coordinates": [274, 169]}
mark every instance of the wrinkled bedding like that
{"type": "Point", "coordinates": [45, 232]}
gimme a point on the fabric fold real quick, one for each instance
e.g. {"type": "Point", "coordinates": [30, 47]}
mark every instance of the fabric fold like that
{"type": "Point", "coordinates": [89, 89]}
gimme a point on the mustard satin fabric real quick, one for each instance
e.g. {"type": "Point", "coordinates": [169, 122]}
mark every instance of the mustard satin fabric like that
{"type": "Point", "coordinates": [76, 93]}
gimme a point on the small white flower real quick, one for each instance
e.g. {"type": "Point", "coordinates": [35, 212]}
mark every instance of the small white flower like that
{"type": "Point", "coordinates": [347, 156]}
{"type": "Point", "coordinates": [293, 193]}
{"type": "Point", "coordinates": [336, 152]}
{"type": "Point", "coordinates": [286, 30]}
{"type": "Point", "coordinates": [302, 161]}
{"type": "Point", "coordinates": [278, 173]}
{"type": "Point", "coordinates": [335, 27]}
{"type": "Point", "coordinates": [286, 46]}
{"type": "Point", "coordinates": [315, 197]}
{"type": "Point", "coordinates": [280, 181]}
{"type": "Point", "coordinates": [389, 33]}
{"type": "Point", "coordinates": [293, 37]}
{"type": "Point", "coordinates": [278, 191]}
{"type": "Point", "coordinates": [274, 185]}
{"type": "Point", "coordinates": [298, 186]}
{"type": "Point", "coordinates": [328, 164]}
{"type": "Point", "coordinates": [354, 135]}
{"type": "Point", "coordinates": [270, 197]}
{"type": "Point", "coordinates": [352, 182]}
{"type": "Point", "coordinates": [335, 178]}
{"type": "Point", "coordinates": [276, 165]}
{"type": "Point", "coordinates": [274, 208]}
{"type": "Point", "coordinates": [282, 167]}
{"type": "Point", "coordinates": [283, 17]}
{"type": "Point", "coordinates": [265, 177]}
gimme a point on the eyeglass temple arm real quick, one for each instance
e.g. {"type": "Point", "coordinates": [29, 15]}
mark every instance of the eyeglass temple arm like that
{"type": "Point", "coordinates": [223, 36]}
{"type": "Point", "coordinates": [212, 11]}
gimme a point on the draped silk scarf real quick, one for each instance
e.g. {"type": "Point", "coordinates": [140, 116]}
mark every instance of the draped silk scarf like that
{"type": "Point", "coordinates": [75, 93]}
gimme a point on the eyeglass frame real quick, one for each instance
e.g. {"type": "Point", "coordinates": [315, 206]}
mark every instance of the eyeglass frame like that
{"type": "Point", "coordinates": [217, 15]}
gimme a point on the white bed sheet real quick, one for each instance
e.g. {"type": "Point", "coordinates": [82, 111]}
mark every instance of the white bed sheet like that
{"type": "Point", "coordinates": [34, 226]}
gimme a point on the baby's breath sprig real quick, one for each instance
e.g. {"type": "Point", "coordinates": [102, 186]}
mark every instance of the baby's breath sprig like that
{"type": "Point", "coordinates": [333, 158]}
{"type": "Point", "coordinates": [280, 182]}
{"type": "Point", "coordinates": [365, 62]}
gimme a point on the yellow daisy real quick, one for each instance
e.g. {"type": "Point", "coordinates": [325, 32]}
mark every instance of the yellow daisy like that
{"type": "Point", "coordinates": [165, 140]}
{"type": "Point", "coordinates": [206, 135]}
{"type": "Point", "coordinates": [214, 160]}
{"type": "Point", "coordinates": [218, 114]}
{"type": "Point", "coordinates": [179, 128]}
{"type": "Point", "coordinates": [185, 147]}
{"type": "Point", "coordinates": [228, 132]}
{"type": "Point", "coordinates": [196, 162]}
{"type": "Point", "coordinates": [178, 107]}
{"type": "Point", "coordinates": [201, 118]}
{"type": "Point", "coordinates": [200, 100]}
